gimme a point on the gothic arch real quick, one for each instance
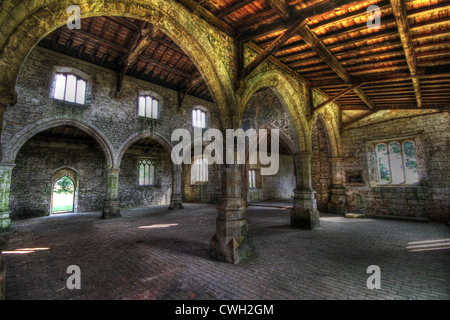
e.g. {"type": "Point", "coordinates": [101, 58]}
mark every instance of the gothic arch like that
{"type": "Point", "coordinates": [289, 92]}
{"type": "Point", "coordinates": [26, 24]}
{"type": "Point", "coordinates": [135, 138]}
{"type": "Point", "coordinates": [16, 143]}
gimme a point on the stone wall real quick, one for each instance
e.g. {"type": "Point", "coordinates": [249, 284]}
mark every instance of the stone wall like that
{"type": "Point", "coordinates": [114, 120]}
{"type": "Point", "coordinates": [133, 195]}
{"type": "Point", "coordinates": [264, 107]}
{"type": "Point", "coordinates": [31, 185]}
{"type": "Point", "coordinates": [320, 166]}
{"type": "Point", "coordinates": [205, 192]}
{"type": "Point", "coordinates": [430, 198]}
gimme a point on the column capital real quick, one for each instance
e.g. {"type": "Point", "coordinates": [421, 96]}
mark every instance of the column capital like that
{"type": "Point", "coordinates": [303, 154]}
{"type": "Point", "coordinates": [7, 166]}
{"type": "Point", "coordinates": [113, 171]}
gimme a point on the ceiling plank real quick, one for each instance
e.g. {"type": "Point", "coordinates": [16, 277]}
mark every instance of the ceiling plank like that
{"type": "Point", "coordinates": [195, 7]}
{"type": "Point", "coordinates": [313, 41]}
{"type": "Point", "coordinates": [401, 17]}
{"type": "Point", "coordinates": [280, 25]}
{"type": "Point", "coordinates": [274, 46]}
{"type": "Point", "coordinates": [282, 8]}
{"type": "Point", "coordinates": [233, 8]}
{"type": "Point", "coordinates": [337, 96]}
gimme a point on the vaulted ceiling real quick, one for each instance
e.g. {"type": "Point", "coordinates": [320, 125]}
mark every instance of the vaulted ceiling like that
{"type": "Point", "coordinates": [403, 64]}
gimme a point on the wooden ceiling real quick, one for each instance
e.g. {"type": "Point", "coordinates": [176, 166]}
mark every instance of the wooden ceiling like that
{"type": "Point", "coordinates": [404, 64]}
{"type": "Point", "coordinates": [130, 47]}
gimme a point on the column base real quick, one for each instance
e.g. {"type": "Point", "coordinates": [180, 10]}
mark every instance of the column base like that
{"type": "Point", "coordinates": [304, 214]}
{"type": "Point", "coordinates": [337, 203]}
{"type": "Point", "coordinates": [5, 222]}
{"type": "Point", "coordinates": [305, 218]}
{"type": "Point", "coordinates": [231, 243]}
{"type": "Point", "coordinates": [176, 205]}
{"type": "Point", "coordinates": [111, 210]}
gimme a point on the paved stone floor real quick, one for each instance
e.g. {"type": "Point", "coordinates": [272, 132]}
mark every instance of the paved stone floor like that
{"type": "Point", "coordinates": [153, 253]}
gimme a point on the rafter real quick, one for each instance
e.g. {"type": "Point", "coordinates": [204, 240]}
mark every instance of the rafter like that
{"type": "Point", "coordinates": [235, 7]}
{"type": "Point", "coordinates": [308, 12]}
{"type": "Point", "coordinates": [208, 16]}
{"type": "Point", "coordinates": [282, 8]}
{"type": "Point", "coordinates": [294, 28]}
{"type": "Point", "coordinates": [140, 42]}
{"type": "Point", "coordinates": [313, 41]}
{"type": "Point", "coordinates": [401, 17]}
{"type": "Point", "coordinates": [337, 96]}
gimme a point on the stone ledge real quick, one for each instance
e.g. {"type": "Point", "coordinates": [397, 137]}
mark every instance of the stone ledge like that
{"type": "Point", "coordinates": [355, 215]}
{"type": "Point", "coordinates": [400, 218]}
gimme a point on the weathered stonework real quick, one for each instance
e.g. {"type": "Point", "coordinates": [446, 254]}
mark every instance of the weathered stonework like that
{"type": "Point", "coordinates": [3, 244]}
{"type": "Point", "coordinates": [430, 198]}
{"type": "Point", "coordinates": [320, 166]}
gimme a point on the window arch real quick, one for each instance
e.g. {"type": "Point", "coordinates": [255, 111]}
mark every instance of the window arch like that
{"type": "Point", "coordinates": [146, 172]}
{"type": "Point", "coordinates": [396, 162]}
{"type": "Point", "coordinates": [199, 171]}
{"type": "Point", "coordinates": [149, 106]}
{"type": "Point", "coordinates": [70, 88]}
{"type": "Point", "coordinates": [70, 85]}
{"type": "Point", "coordinates": [198, 118]}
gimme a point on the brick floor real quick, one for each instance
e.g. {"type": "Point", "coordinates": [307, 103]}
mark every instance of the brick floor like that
{"type": "Point", "coordinates": [153, 253]}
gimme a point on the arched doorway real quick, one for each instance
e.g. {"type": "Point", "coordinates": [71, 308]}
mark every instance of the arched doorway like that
{"type": "Point", "coordinates": [64, 191]}
{"type": "Point", "coordinates": [46, 158]}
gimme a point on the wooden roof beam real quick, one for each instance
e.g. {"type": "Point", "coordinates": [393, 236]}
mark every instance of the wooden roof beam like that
{"type": "Point", "coordinates": [274, 46]}
{"type": "Point", "coordinates": [401, 18]}
{"type": "Point", "coordinates": [233, 8]}
{"type": "Point", "coordinates": [313, 41]}
{"type": "Point", "coordinates": [195, 7]}
{"type": "Point", "coordinates": [337, 96]}
{"type": "Point", "coordinates": [282, 8]}
{"type": "Point", "coordinates": [312, 10]}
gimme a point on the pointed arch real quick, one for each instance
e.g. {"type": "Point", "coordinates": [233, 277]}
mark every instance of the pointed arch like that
{"type": "Point", "coordinates": [31, 130]}
{"type": "Point", "coordinates": [24, 25]}
{"type": "Point", "coordinates": [289, 91]}
{"type": "Point", "coordinates": [139, 136]}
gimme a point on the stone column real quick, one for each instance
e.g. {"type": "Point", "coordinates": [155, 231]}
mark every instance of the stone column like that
{"type": "Point", "coordinates": [175, 199]}
{"type": "Point", "coordinates": [111, 207]}
{"type": "Point", "coordinates": [231, 242]}
{"type": "Point", "coordinates": [5, 186]}
{"type": "Point", "coordinates": [337, 202]}
{"type": "Point", "coordinates": [304, 214]}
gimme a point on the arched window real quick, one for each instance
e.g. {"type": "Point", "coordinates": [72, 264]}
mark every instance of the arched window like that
{"type": "Point", "coordinates": [397, 162]}
{"type": "Point", "coordinates": [148, 107]}
{"type": "Point", "coordinates": [146, 172]}
{"type": "Point", "coordinates": [383, 163]}
{"type": "Point", "coordinates": [199, 171]}
{"type": "Point", "coordinates": [410, 164]}
{"type": "Point", "coordinates": [198, 118]}
{"type": "Point", "coordinates": [69, 87]}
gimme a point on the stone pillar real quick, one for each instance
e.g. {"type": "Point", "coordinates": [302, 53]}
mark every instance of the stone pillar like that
{"type": "Point", "coordinates": [231, 242]}
{"type": "Point", "coordinates": [176, 199]}
{"type": "Point", "coordinates": [5, 186]}
{"type": "Point", "coordinates": [111, 207]}
{"type": "Point", "coordinates": [304, 214]}
{"type": "Point", "coordinates": [337, 203]}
